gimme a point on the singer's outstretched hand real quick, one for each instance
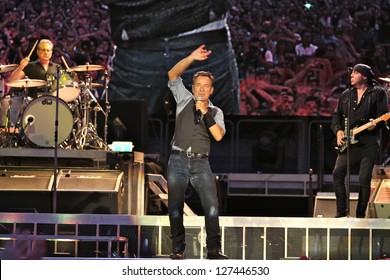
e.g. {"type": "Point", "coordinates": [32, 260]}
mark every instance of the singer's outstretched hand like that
{"type": "Point", "coordinates": [200, 54]}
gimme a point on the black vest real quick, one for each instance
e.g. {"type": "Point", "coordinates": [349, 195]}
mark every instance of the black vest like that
{"type": "Point", "coordinates": [189, 134]}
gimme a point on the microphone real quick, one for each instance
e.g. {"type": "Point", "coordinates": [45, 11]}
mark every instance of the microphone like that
{"type": "Point", "coordinates": [198, 113]}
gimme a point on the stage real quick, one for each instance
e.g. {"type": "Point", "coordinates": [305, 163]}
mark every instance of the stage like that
{"type": "Point", "coordinates": [243, 238]}
{"type": "Point", "coordinates": [101, 212]}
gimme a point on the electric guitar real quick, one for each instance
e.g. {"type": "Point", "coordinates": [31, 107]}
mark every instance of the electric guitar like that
{"type": "Point", "coordinates": [359, 129]}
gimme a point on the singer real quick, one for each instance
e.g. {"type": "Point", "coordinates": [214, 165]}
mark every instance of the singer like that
{"type": "Point", "coordinates": [197, 122]}
{"type": "Point", "coordinates": [359, 105]}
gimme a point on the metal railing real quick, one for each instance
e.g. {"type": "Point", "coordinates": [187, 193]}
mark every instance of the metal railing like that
{"type": "Point", "coordinates": [256, 238]}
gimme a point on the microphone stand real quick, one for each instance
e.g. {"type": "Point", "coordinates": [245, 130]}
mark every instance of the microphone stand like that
{"type": "Point", "coordinates": [54, 187]}
{"type": "Point", "coordinates": [348, 138]}
{"type": "Point", "coordinates": [108, 106]}
{"type": "Point", "coordinates": [320, 141]}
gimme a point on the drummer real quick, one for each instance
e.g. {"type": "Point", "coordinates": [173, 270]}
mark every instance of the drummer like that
{"type": "Point", "coordinates": [42, 68]}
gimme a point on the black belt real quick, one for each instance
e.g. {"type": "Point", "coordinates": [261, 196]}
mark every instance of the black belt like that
{"type": "Point", "coordinates": [188, 154]}
{"type": "Point", "coordinates": [181, 42]}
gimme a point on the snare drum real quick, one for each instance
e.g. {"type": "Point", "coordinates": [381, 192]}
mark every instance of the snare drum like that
{"type": "Point", "coordinates": [39, 121]}
{"type": "Point", "coordinates": [68, 86]}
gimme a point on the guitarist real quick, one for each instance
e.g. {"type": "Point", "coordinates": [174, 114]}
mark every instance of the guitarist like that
{"type": "Point", "coordinates": [364, 101]}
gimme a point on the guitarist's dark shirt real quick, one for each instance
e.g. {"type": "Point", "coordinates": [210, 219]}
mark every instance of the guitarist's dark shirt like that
{"type": "Point", "coordinates": [373, 104]}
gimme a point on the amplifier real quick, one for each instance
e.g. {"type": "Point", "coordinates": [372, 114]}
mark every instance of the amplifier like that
{"type": "Point", "coordinates": [91, 192]}
{"type": "Point", "coordinates": [325, 205]}
{"type": "Point", "coordinates": [25, 190]}
{"type": "Point", "coordinates": [382, 200]}
{"type": "Point", "coordinates": [98, 192]}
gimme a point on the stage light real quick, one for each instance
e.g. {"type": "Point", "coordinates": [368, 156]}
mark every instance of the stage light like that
{"type": "Point", "coordinates": [308, 5]}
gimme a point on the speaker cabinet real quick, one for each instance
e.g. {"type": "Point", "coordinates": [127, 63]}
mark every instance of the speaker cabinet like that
{"type": "Point", "coordinates": [89, 192]}
{"type": "Point", "coordinates": [382, 200]}
{"type": "Point", "coordinates": [25, 190]}
{"type": "Point", "coordinates": [325, 205]}
{"type": "Point", "coordinates": [375, 186]}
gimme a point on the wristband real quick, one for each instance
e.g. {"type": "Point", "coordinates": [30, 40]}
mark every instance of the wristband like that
{"type": "Point", "coordinates": [208, 120]}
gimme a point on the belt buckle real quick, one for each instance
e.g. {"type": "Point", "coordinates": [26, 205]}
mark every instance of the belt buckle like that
{"type": "Point", "coordinates": [189, 154]}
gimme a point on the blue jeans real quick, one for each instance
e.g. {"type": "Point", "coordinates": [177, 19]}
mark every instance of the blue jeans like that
{"type": "Point", "coordinates": [141, 74]}
{"type": "Point", "coordinates": [181, 171]}
{"type": "Point", "coordinates": [365, 158]}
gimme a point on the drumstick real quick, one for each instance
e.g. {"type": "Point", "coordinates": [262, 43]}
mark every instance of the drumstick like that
{"type": "Point", "coordinates": [64, 61]}
{"type": "Point", "coordinates": [32, 49]}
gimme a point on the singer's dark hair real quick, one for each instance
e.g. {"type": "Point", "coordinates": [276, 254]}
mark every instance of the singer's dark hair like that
{"type": "Point", "coordinates": [203, 74]}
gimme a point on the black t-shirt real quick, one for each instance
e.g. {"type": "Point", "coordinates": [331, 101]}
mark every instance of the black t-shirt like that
{"type": "Point", "coordinates": [34, 70]}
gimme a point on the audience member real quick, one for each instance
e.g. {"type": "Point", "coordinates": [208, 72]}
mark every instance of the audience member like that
{"type": "Point", "coordinates": [306, 48]}
{"type": "Point", "coordinates": [338, 64]}
{"type": "Point", "coordinates": [23, 250]}
{"type": "Point", "coordinates": [284, 105]}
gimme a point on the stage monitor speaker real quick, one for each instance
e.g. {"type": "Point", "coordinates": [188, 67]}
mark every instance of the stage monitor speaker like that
{"type": "Point", "coordinates": [90, 192]}
{"type": "Point", "coordinates": [127, 121]}
{"type": "Point", "coordinates": [25, 190]}
{"type": "Point", "coordinates": [81, 192]}
{"type": "Point", "coordinates": [375, 185]}
{"type": "Point", "coordinates": [382, 200]}
{"type": "Point", "coordinates": [325, 205]}
{"type": "Point", "coordinates": [381, 172]}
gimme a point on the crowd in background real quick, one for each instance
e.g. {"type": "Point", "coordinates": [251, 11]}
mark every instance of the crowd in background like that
{"type": "Point", "coordinates": [293, 55]}
{"type": "Point", "coordinates": [79, 30]}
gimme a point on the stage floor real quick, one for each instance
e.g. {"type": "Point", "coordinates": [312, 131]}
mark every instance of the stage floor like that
{"type": "Point", "coordinates": [244, 238]}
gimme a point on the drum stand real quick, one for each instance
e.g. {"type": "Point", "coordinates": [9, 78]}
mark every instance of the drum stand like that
{"type": "Point", "coordinates": [13, 139]}
{"type": "Point", "coordinates": [108, 106]}
{"type": "Point", "coordinates": [86, 136]}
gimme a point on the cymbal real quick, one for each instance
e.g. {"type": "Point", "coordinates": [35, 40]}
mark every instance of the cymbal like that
{"type": "Point", "coordinates": [385, 79]}
{"type": "Point", "coordinates": [7, 68]}
{"type": "Point", "coordinates": [27, 83]}
{"type": "Point", "coordinates": [86, 68]}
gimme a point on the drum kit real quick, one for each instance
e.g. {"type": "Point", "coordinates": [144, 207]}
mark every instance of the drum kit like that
{"type": "Point", "coordinates": [69, 121]}
{"type": "Point", "coordinates": [385, 79]}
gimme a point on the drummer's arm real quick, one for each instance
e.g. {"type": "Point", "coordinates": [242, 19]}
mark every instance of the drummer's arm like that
{"type": "Point", "coordinates": [18, 73]}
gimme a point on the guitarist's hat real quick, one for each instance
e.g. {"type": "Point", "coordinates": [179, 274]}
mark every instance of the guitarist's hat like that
{"type": "Point", "coordinates": [363, 69]}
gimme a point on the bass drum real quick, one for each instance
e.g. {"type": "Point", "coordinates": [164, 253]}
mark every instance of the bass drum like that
{"type": "Point", "coordinates": [39, 121]}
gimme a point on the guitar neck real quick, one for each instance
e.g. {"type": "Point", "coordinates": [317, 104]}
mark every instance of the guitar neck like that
{"type": "Point", "coordinates": [365, 126]}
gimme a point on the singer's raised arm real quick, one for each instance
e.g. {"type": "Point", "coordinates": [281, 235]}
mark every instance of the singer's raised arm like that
{"type": "Point", "coordinates": [199, 54]}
